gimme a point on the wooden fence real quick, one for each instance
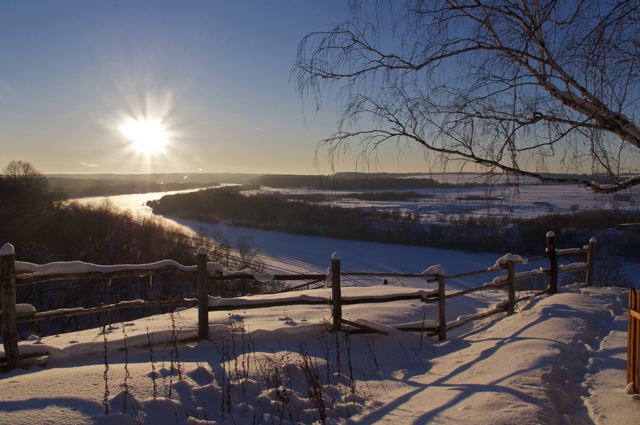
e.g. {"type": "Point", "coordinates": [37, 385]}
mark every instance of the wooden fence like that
{"type": "Point", "coordinates": [633, 340]}
{"type": "Point", "coordinates": [203, 275]}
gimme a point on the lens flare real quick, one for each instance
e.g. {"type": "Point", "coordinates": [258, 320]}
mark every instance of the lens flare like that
{"type": "Point", "coordinates": [147, 136]}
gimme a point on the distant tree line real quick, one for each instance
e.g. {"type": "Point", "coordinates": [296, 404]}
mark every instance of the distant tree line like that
{"type": "Point", "coordinates": [84, 187]}
{"type": "Point", "coordinates": [351, 182]}
{"type": "Point", "coordinates": [279, 212]}
{"type": "Point", "coordinates": [275, 212]}
{"type": "Point", "coordinates": [360, 196]}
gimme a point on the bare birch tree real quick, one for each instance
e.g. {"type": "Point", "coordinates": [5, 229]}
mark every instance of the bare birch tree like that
{"type": "Point", "coordinates": [523, 87]}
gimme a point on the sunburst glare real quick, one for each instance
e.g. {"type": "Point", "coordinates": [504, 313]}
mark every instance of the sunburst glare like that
{"type": "Point", "coordinates": [147, 136]}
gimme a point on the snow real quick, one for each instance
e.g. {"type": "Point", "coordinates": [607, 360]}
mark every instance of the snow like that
{"type": "Point", "coordinates": [500, 280]}
{"type": "Point", "coordinates": [440, 204]}
{"type": "Point", "coordinates": [214, 267]}
{"type": "Point", "coordinates": [418, 324]}
{"type": "Point", "coordinates": [435, 270]}
{"type": "Point", "coordinates": [607, 399]}
{"type": "Point", "coordinates": [321, 295]}
{"type": "Point", "coordinates": [459, 319]}
{"type": "Point", "coordinates": [7, 249]}
{"type": "Point", "coordinates": [202, 251]}
{"type": "Point", "coordinates": [382, 329]}
{"type": "Point", "coordinates": [335, 255]}
{"type": "Point", "coordinates": [502, 262]}
{"type": "Point", "coordinates": [559, 359]}
{"type": "Point", "coordinates": [23, 310]}
{"type": "Point", "coordinates": [63, 267]}
{"type": "Point", "coordinates": [572, 266]}
{"type": "Point", "coordinates": [550, 234]}
{"type": "Point", "coordinates": [529, 273]}
{"type": "Point", "coordinates": [530, 372]}
{"type": "Point", "coordinates": [571, 251]}
{"type": "Point", "coordinates": [71, 267]}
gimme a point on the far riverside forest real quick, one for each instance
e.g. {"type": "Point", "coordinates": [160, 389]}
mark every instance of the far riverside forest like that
{"type": "Point", "coordinates": [297, 213]}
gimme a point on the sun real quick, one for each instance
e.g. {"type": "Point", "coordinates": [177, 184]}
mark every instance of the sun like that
{"type": "Point", "coordinates": [147, 136]}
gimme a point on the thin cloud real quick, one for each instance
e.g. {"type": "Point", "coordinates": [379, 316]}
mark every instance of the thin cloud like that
{"type": "Point", "coordinates": [90, 165]}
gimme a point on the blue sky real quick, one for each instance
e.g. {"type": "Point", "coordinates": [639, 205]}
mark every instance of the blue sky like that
{"type": "Point", "coordinates": [217, 72]}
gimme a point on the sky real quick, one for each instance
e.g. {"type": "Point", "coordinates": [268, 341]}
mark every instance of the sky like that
{"type": "Point", "coordinates": [216, 74]}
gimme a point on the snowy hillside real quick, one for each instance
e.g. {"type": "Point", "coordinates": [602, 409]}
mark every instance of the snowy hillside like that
{"type": "Point", "coordinates": [558, 360]}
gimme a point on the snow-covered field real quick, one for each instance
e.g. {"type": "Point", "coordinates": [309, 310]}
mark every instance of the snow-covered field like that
{"type": "Point", "coordinates": [558, 360]}
{"type": "Point", "coordinates": [440, 204]}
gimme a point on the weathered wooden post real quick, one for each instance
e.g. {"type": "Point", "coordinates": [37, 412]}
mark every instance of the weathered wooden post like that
{"type": "Point", "coordinates": [219, 284]}
{"type": "Point", "coordinates": [591, 259]}
{"type": "Point", "coordinates": [203, 294]}
{"type": "Point", "coordinates": [336, 291]}
{"type": "Point", "coordinates": [8, 305]}
{"type": "Point", "coordinates": [553, 263]}
{"type": "Point", "coordinates": [511, 280]}
{"type": "Point", "coordinates": [442, 313]}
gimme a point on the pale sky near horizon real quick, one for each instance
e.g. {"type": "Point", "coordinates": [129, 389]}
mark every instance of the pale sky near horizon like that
{"type": "Point", "coordinates": [217, 72]}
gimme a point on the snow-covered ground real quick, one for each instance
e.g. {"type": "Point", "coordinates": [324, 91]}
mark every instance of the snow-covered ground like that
{"type": "Point", "coordinates": [557, 360]}
{"type": "Point", "coordinates": [441, 204]}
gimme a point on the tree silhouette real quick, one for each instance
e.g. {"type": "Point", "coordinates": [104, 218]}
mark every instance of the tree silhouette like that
{"type": "Point", "coordinates": [522, 87]}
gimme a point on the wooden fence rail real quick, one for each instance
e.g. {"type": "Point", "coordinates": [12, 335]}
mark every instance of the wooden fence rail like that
{"type": "Point", "coordinates": [633, 340]}
{"type": "Point", "coordinates": [201, 275]}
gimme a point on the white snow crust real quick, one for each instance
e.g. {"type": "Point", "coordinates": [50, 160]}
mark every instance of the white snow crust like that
{"type": "Point", "coordinates": [322, 294]}
{"type": "Point", "coordinates": [25, 310]}
{"type": "Point", "coordinates": [64, 267]}
{"type": "Point", "coordinates": [501, 262]}
{"type": "Point", "coordinates": [572, 266]}
{"type": "Point", "coordinates": [435, 270]}
{"type": "Point", "coordinates": [7, 249]}
{"type": "Point", "coordinates": [559, 359]}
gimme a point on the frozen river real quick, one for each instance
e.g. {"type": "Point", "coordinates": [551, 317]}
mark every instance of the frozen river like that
{"type": "Point", "coordinates": [298, 253]}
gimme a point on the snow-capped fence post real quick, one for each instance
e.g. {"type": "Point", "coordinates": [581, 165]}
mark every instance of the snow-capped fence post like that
{"type": "Point", "coordinates": [591, 256]}
{"type": "Point", "coordinates": [203, 293]}
{"type": "Point", "coordinates": [336, 292]}
{"type": "Point", "coordinates": [553, 263]}
{"type": "Point", "coordinates": [8, 305]}
{"type": "Point", "coordinates": [442, 313]}
{"type": "Point", "coordinates": [511, 280]}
